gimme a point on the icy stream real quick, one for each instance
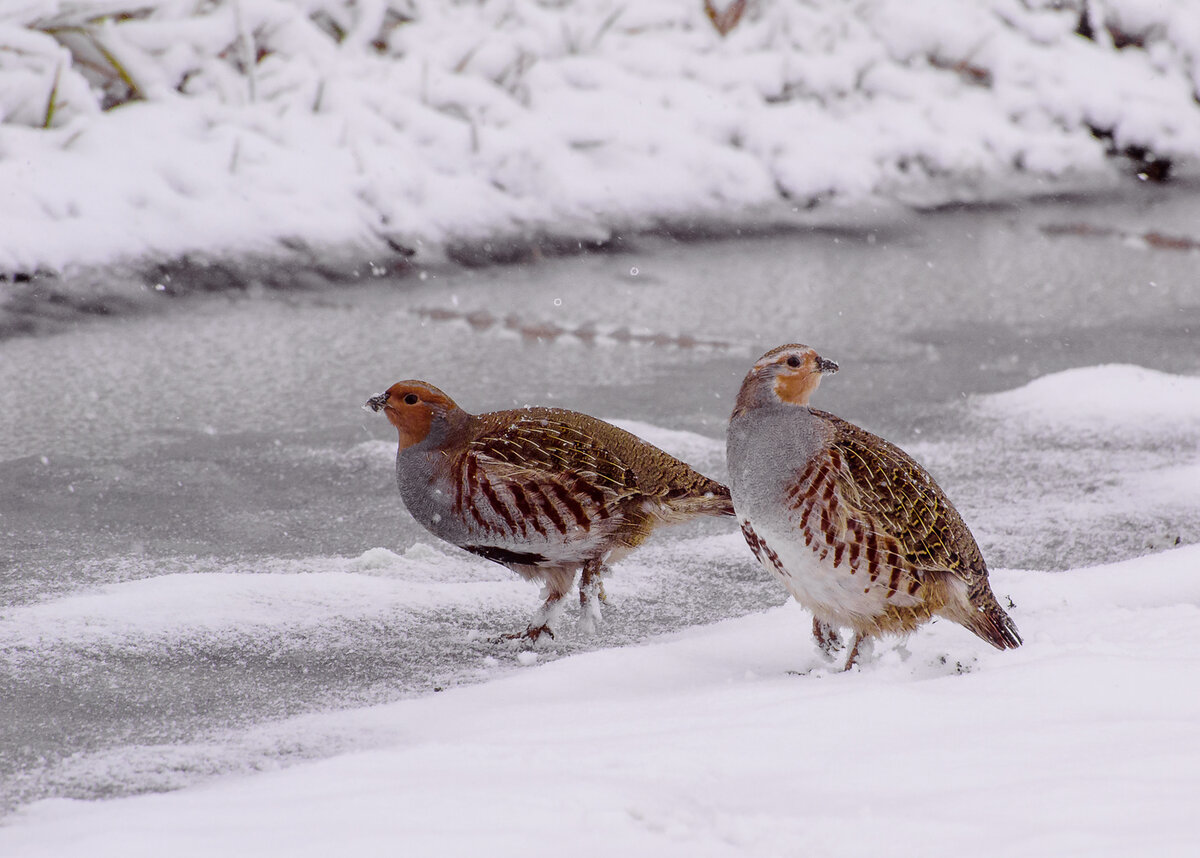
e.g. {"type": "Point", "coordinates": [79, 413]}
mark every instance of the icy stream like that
{"type": "Point", "coordinates": [200, 537]}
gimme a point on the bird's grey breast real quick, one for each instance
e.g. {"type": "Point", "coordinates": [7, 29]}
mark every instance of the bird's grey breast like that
{"type": "Point", "coordinates": [766, 448]}
{"type": "Point", "coordinates": [427, 490]}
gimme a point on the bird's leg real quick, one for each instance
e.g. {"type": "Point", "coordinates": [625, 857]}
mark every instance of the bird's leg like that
{"type": "Point", "coordinates": [828, 639]}
{"type": "Point", "coordinates": [546, 617]}
{"type": "Point", "coordinates": [858, 639]}
{"type": "Point", "coordinates": [862, 647]}
{"type": "Point", "coordinates": [591, 593]}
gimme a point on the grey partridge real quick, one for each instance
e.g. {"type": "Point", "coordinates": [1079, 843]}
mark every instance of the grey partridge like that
{"type": "Point", "coordinates": [544, 491]}
{"type": "Point", "coordinates": [857, 531]}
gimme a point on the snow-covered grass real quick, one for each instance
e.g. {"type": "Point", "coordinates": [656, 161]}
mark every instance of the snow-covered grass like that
{"type": "Point", "coordinates": [734, 739]}
{"type": "Point", "coordinates": [167, 127]}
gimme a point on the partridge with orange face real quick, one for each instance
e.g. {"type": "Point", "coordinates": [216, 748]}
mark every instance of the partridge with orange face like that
{"type": "Point", "coordinates": [543, 491]}
{"type": "Point", "coordinates": [857, 531]}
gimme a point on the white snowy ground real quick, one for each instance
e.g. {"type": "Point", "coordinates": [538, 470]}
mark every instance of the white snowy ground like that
{"type": "Point", "coordinates": [735, 739]}
{"type": "Point", "coordinates": [247, 124]}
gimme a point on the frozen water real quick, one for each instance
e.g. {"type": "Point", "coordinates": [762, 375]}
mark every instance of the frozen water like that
{"type": "Point", "coordinates": [206, 567]}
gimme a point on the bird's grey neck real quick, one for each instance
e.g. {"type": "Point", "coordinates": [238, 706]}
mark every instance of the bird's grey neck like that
{"type": "Point", "coordinates": [446, 430]}
{"type": "Point", "coordinates": [776, 413]}
{"type": "Point", "coordinates": [759, 393]}
{"type": "Point", "coordinates": [424, 475]}
{"type": "Point", "coordinates": [759, 439]}
{"type": "Point", "coordinates": [418, 464]}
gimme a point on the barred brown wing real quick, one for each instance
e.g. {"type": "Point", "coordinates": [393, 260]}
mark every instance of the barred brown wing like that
{"type": "Point", "coordinates": [900, 496]}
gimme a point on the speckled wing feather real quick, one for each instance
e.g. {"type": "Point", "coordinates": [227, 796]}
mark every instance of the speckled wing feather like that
{"type": "Point", "coordinates": [886, 484]}
{"type": "Point", "coordinates": [528, 476]}
{"type": "Point", "coordinates": [576, 459]}
{"type": "Point", "coordinates": [540, 443]}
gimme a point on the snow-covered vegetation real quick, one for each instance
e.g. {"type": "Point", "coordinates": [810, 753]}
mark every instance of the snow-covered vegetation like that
{"type": "Point", "coordinates": [155, 128]}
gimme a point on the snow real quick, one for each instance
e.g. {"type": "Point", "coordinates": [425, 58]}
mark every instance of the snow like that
{"type": "Point", "coordinates": [734, 739]}
{"type": "Point", "coordinates": [253, 606]}
{"type": "Point", "coordinates": [1076, 466]}
{"type": "Point", "coordinates": [254, 126]}
{"type": "Point", "coordinates": [1107, 399]}
{"type": "Point", "coordinates": [729, 739]}
{"type": "Point", "coordinates": [262, 127]}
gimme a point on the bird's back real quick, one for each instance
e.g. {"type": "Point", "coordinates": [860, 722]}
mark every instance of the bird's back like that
{"type": "Point", "coordinates": [888, 483]}
{"type": "Point", "coordinates": [604, 456]}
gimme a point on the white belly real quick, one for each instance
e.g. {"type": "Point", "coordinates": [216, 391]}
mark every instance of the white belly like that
{"type": "Point", "coordinates": [833, 594]}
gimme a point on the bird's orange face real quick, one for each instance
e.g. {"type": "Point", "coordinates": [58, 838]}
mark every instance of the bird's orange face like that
{"type": "Point", "coordinates": [412, 406]}
{"type": "Point", "coordinates": [794, 372]}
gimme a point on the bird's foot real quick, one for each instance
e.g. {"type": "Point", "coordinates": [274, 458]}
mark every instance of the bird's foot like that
{"type": "Point", "coordinates": [828, 639]}
{"type": "Point", "coordinates": [862, 650]}
{"type": "Point", "coordinates": [589, 618]}
{"type": "Point", "coordinates": [533, 634]}
{"type": "Point", "coordinates": [591, 594]}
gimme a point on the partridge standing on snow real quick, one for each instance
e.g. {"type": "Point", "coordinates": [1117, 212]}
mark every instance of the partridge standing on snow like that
{"type": "Point", "coordinates": [542, 491]}
{"type": "Point", "coordinates": [856, 530]}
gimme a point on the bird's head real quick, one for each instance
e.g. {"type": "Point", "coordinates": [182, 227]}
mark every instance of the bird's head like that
{"type": "Point", "coordinates": [414, 408]}
{"type": "Point", "coordinates": [788, 374]}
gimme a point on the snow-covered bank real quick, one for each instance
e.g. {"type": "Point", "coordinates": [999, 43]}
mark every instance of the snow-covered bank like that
{"type": "Point", "coordinates": [261, 126]}
{"type": "Point", "coordinates": [1082, 742]}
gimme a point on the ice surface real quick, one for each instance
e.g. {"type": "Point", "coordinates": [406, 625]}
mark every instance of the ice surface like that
{"type": "Point", "coordinates": [206, 570]}
{"type": "Point", "coordinates": [663, 740]}
{"type": "Point", "coordinates": [329, 123]}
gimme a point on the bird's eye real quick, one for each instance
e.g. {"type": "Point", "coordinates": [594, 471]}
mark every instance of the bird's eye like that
{"type": "Point", "coordinates": [793, 361]}
{"type": "Point", "coordinates": [411, 399]}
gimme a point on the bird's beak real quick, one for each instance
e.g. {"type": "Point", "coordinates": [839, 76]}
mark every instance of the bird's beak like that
{"type": "Point", "coordinates": [376, 403]}
{"type": "Point", "coordinates": [826, 367]}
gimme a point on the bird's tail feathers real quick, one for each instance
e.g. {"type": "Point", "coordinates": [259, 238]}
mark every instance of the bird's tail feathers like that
{"type": "Point", "coordinates": [714, 501]}
{"type": "Point", "coordinates": [990, 622]}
